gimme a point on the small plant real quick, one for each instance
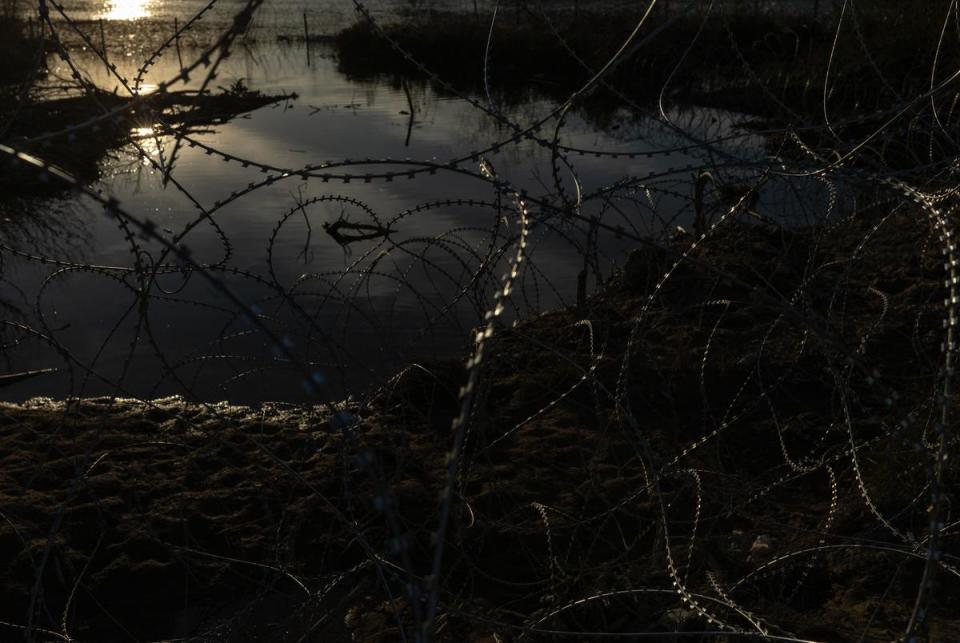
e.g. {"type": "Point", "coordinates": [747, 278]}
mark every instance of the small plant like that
{"type": "Point", "coordinates": [236, 89]}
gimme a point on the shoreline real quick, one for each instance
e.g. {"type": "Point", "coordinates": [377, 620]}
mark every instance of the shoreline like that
{"type": "Point", "coordinates": [246, 502]}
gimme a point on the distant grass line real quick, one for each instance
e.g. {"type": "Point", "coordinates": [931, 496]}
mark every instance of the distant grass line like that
{"type": "Point", "coordinates": [788, 54]}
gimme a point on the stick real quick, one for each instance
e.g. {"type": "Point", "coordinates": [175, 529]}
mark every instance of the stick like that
{"type": "Point", "coordinates": [176, 38]}
{"type": "Point", "coordinates": [103, 43]}
{"type": "Point", "coordinates": [13, 378]}
{"type": "Point", "coordinates": [406, 90]}
{"type": "Point", "coordinates": [306, 36]}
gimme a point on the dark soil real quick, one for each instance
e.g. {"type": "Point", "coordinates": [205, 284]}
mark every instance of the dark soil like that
{"type": "Point", "coordinates": [125, 519]}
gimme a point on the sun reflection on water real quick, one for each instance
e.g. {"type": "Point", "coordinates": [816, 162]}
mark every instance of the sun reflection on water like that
{"type": "Point", "coordinates": [148, 142]}
{"type": "Point", "coordinates": [126, 9]}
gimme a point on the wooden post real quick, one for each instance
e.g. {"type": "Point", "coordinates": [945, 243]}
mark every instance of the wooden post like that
{"type": "Point", "coordinates": [306, 36]}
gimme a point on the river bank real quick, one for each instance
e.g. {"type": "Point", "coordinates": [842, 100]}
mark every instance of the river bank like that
{"type": "Point", "coordinates": [754, 463]}
{"type": "Point", "coordinates": [769, 64]}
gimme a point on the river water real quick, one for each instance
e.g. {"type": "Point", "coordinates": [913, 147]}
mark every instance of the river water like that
{"type": "Point", "coordinates": [352, 314]}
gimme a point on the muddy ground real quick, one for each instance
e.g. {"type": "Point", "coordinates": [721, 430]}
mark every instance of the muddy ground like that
{"type": "Point", "coordinates": [725, 470]}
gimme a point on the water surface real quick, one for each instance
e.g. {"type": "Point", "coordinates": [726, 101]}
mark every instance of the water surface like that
{"type": "Point", "coordinates": [350, 314]}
